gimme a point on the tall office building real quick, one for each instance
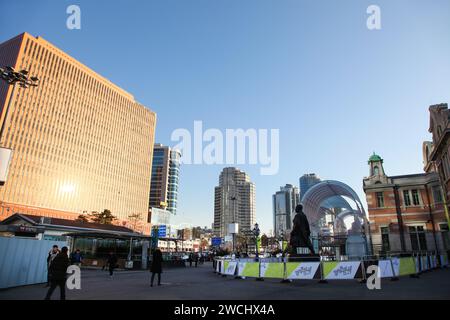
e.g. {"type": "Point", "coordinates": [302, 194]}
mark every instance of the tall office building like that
{"type": "Point", "coordinates": [306, 182]}
{"type": "Point", "coordinates": [80, 143]}
{"type": "Point", "coordinates": [174, 178]}
{"type": "Point", "coordinates": [234, 201]}
{"type": "Point", "coordinates": [165, 178]}
{"type": "Point", "coordinates": [284, 203]}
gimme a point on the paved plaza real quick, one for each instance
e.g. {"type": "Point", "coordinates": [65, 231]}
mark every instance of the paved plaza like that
{"type": "Point", "coordinates": [202, 284]}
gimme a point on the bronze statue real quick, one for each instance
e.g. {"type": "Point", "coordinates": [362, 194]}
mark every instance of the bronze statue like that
{"type": "Point", "coordinates": [300, 232]}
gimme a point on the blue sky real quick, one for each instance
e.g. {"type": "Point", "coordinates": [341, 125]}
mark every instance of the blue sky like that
{"type": "Point", "coordinates": [312, 69]}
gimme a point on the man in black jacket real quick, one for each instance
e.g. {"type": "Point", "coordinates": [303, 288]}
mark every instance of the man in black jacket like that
{"type": "Point", "coordinates": [156, 267]}
{"type": "Point", "coordinates": [51, 255]}
{"type": "Point", "coordinates": [112, 262]}
{"type": "Point", "coordinates": [58, 272]}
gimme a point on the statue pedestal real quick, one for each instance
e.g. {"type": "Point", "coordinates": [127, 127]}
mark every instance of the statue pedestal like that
{"type": "Point", "coordinates": [303, 254]}
{"type": "Point", "coordinates": [356, 246]}
{"type": "Point", "coordinates": [303, 251]}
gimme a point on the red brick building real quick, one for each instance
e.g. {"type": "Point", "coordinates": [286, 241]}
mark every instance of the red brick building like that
{"type": "Point", "coordinates": [406, 212]}
{"type": "Point", "coordinates": [436, 153]}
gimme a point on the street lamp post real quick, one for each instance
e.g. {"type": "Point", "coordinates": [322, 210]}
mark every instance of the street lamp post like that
{"type": "Point", "coordinates": [234, 199]}
{"type": "Point", "coordinates": [256, 233]}
{"type": "Point", "coordinates": [281, 240]}
{"type": "Point", "coordinates": [14, 78]}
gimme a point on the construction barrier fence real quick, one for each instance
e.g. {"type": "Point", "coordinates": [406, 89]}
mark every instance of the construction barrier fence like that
{"type": "Point", "coordinates": [285, 269]}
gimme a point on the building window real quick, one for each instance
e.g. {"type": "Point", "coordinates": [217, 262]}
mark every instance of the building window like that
{"type": "Point", "coordinates": [418, 239]}
{"type": "Point", "coordinates": [444, 162]}
{"type": "Point", "coordinates": [376, 171]}
{"type": "Point", "coordinates": [445, 235]}
{"type": "Point", "coordinates": [380, 199]}
{"type": "Point", "coordinates": [385, 245]}
{"type": "Point", "coordinates": [406, 198]}
{"type": "Point", "coordinates": [415, 197]}
{"type": "Point", "coordinates": [442, 172]}
{"type": "Point", "coordinates": [437, 194]}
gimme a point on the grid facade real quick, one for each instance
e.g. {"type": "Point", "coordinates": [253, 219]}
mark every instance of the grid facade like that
{"type": "Point", "coordinates": [174, 180]}
{"type": "Point", "coordinates": [165, 178]}
{"type": "Point", "coordinates": [160, 176]}
{"type": "Point", "coordinates": [79, 142]}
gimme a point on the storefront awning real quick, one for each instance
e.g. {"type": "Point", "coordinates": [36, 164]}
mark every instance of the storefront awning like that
{"type": "Point", "coordinates": [106, 235]}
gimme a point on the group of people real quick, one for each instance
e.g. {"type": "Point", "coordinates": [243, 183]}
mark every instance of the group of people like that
{"type": "Point", "coordinates": [58, 261]}
{"type": "Point", "coordinates": [194, 257]}
{"type": "Point", "coordinates": [57, 264]}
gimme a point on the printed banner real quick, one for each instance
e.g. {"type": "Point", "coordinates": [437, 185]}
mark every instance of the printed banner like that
{"type": "Point", "coordinates": [248, 269]}
{"type": "Point", "coordinates": [444, 260]}
{"type": "Point", "coordinates": [230, 267]}
{"type": "Point", "coordinates": [407, 266]}
{"type": "Point", "coordinates": [333, 270]}
{"type": "Point", "coordinates": [434, 261]}
{"type": "Point", "coordinates": [272, 270]}
{"type": "Point", "coordinates": [220, 266]}
{"type": "Point", "coordinates": [424, 263]}
{"type": "Point", "coordinates": [417, 263]}
{"type": "Point", "coordinates": [5, 160]}
{"type": "Point", "coordinates": [217, 266]}
{"type": "Point", "coordinates": [386, 269]}
{"type": "Point", "coordinates": [302, 270]}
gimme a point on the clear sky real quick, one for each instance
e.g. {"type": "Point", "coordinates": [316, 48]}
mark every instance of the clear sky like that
{"type": "Point", "coordinates": [336, 90]}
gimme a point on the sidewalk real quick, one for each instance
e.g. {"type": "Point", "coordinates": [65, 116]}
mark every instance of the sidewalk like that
{"type": "Point", "coordinates": [203, 284]}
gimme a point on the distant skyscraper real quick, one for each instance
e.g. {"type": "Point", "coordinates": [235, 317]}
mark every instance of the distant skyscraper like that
{"type": "Point", "coordinates": [306, 182]}
{"type": "Point", "coordinates": [234, 201]}
{"type": "Point", "coordinates": [165, 178]}
{"type": "Point", "coordinates": [284, 203]}
{"type": "Point", "coordinates": [174, 178]}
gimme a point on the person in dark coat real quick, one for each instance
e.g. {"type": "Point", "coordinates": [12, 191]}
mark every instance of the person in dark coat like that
{"type": "Point", "coordinates": [156, 267]}
{"type": "Point", "coordinates": [190, 259]}
{"type": "Point", "coordinates": [51, 256]}
{"type": "Point", "coordinates": [300, 232]}
{"type": "Point", "coordinates": [58, 273]}
{"type": "Point", "coordinates": [112, 262]}
{"type": "Point", "coordinates": [76, 258]}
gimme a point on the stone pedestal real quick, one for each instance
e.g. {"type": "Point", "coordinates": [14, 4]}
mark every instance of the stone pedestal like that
{"type": "Point", "coordinates": [356, 246]}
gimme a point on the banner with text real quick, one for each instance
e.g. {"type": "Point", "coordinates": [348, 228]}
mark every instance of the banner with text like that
{"type": "Point", "coordinates": [333, 270]}
{"type": "Point", "coordinates": [303, 270]}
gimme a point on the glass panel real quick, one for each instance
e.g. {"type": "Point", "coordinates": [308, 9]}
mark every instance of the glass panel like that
{"type": "Point", "coordinates": [414, 242]}
{"type": "Point", "coordinates": [422, 241]}
{"type": "Point", "coordinates": [406, 198]}
{"type": "Point", "coordinates": [380, 199]}
{"type": "Point", "coordinates": [416, 199]}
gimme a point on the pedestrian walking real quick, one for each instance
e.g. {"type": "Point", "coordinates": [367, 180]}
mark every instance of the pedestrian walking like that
{"type": "Point", "coordinates": [191, 257]}
{"type": "Point", "coordinates": [58, 274]}
{"type": "Point", "coordinates": [196, 259]}
{"type": "Point", "coordinates": [112, 263]}
{"type": "Point", "coordinates": [76, 258]}
{"type": "Point", "coordinates": [156, 267]}
{"type": "Point", "coordinates": [51, 256]}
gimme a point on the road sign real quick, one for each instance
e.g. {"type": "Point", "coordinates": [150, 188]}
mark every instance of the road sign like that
{"type": "Point", "coordinates": [162, 231]}
{"type": "Point", "coordinates": [216, 241]}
